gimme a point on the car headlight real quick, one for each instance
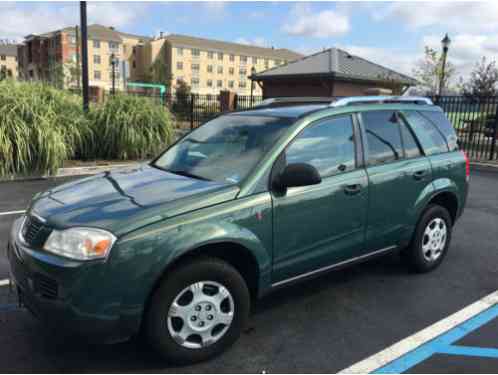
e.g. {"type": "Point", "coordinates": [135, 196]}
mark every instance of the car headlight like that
{"type": "Point", "coordinates": [80, 243]}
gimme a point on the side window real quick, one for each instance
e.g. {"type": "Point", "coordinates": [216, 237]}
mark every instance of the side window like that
{"type": "Point", "coordinates": [327, 145]}
{"type": "Point", "coordinates": [383, 138]}
{"type": "Point", "coordinates": [430, 137]}
{"type": "Point", "coordinates": [412, 150]}
{"type": "Point", "coordinates": [440, 120]}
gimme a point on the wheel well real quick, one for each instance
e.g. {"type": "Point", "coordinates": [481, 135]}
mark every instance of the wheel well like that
{"type": "Point", "coordinates": [234, 254]}
{"type": "Point", "coordinates": [448, 201]}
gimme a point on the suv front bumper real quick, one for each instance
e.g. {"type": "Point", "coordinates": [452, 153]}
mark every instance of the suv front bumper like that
{"type": "Point", "coordinates": [65, 295]}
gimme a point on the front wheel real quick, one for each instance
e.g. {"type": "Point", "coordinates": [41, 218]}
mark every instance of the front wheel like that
{"type": "Point", "coordinates": [431, 240]}
{"type": "Point", "coordinates": [198, 311]}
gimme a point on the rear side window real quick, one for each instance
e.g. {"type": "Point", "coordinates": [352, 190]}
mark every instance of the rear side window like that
{"type": "Point", "coordinates": [327, 145]}
{"type": "Point", "coordinates": [430, 137]}
{"type": "Point", "coordinates": [383, 138]}
{"type": "Point", "coordinates": [440, 120]}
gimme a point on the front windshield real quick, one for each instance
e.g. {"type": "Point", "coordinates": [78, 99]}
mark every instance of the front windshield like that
{"type": "Point", "coordinates": [224, 149]}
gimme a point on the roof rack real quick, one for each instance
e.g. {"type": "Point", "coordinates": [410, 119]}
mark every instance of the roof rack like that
{"type": "Point", "coordinates": [356, 100]}
{"type": "Point", "coordinates": [275, 102]}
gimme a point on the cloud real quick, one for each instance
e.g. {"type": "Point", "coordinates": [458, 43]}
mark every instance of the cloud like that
{"type": "Point", "coordinates": [454, 15]}
{"type": "Point", "coordinates": [304, 22]}
{"type": "Point", "coordinates": [20, 19]}
{"type": "Point", "coordinates": [256, 41]}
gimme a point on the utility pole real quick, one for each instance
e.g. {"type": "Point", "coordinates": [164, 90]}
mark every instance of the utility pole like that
{"type": "Point", "coordinates": [113, 65]}
{"type": "Point", "coordinates": [78, 58]}
{"type": "Point", "coordinates": [84, 54]}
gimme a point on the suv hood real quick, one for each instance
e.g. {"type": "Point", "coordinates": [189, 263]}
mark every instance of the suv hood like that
{"type": "Point", "coordinates": [126, 199]}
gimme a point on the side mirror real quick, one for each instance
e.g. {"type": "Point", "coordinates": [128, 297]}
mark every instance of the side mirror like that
{"type": "Point", "coordinates": [298, 174]}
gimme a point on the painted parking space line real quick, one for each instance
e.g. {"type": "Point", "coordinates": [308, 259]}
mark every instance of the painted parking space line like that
{"type": "Point", "coordinates": [6, 213]}
{"type": "Point", "coordinates": [4, 282]}
{"type": "Point", "coordinates": [413, 350]}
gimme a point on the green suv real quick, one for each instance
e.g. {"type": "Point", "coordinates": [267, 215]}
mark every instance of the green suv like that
{"type": "Point", "coordinates": [248, 202]}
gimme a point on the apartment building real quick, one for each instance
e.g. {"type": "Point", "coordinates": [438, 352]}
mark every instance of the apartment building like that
{"type": "Point", "coordinates": [54, 54]}
{"type": "Point", "coordinates": [207, 65]}
{"type": "Point", "coordinates": [8, 61]}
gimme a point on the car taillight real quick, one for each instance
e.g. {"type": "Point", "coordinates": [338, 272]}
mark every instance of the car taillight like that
{"type": "Point", "coordinates": [467, 165]}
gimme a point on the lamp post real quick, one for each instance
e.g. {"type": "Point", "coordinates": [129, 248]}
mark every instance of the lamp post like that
{"type": "Point", "coordinates": [84, 55]}
{"type": "Point", "coordinates": [253, 72]}
{"type": "Point", "coordinates": [114, 62]}
{"type": "Point", "coordinates": [445, 44]}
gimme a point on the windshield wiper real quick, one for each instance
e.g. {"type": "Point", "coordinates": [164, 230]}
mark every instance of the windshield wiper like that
{"type": "Point", "coordinates": [187, 174]}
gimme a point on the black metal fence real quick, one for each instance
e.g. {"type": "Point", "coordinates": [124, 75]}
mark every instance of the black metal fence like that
{"type": "Point", "coordinates": [475, 122]}
{"type": "Point", "coordinates": [474, 119]}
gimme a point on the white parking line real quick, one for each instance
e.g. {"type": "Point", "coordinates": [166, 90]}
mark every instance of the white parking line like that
{"type": "Point", "coordinates": [412, 342]}
{"type": "Point", "coordinates": [4, 282]}
{"type": "Point", "coordinates": [12, 212]}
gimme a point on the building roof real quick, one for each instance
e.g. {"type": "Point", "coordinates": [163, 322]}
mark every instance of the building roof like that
{"type": "Point", "coordinates": [95, 31]}
{"type": "Point", "coordinates": [8, 49]}
{"type": "Point", "coordinates": [237, 48]}
{"type": "Point", "coordinates": [335, 62]}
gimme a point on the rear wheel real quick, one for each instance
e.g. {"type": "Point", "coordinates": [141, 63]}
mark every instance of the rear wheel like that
{"type": "Point", "coordinates": [431, 239]}
{"type": "Point", "coordinates": [198, 311]}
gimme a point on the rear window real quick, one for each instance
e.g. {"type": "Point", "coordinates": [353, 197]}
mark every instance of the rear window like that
{"type": "Point", "coordinates": [440, 120]}
{"type": "Point", "coordinates": [429, 136]}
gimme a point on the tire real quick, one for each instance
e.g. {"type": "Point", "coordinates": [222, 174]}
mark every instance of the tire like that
{"type": "Point", "coordinates": [427, 249]}
{"type": "Point", "coordinates": [222, 298]}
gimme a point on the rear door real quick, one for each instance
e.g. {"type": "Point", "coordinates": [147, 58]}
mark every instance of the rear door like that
{"type": "Point", "coordinates": [398, 172]}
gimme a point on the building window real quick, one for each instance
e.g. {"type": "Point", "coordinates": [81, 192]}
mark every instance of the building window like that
{"type": "Point", "coordinates": [231, 84]}
{"type": "Point", "coordinates": [242, 84]}
{"type": "Point", "coordinates": [113, 46]}
{"type": "Point", "coordinates": [196, 52]}
{"type": "Point", "coordinates": [179, 81]}
{"type": "Point", "coordinates": [231, 71]}
{"type": "Point", "coordinates": [209, 83]}
{"type": "Point", "coordinates": [195, 67]}
{"type": "Point", "coordinates": [219, 83]}
{"type": "Point", "coordinates": [220, 70]}
{"type": "Point", "coordinates": [96, 59]}
{"type": "Point", "coordinates": [254, 60]}
{"type": "Point", "coordinates": [195, 82]}
{"type": "Point", "coordinates": [96, 43]}
{"type": "Point", "coordinates": [232, 57]}
{"type": "Point", "coordinates": [3, 57]}
{"type": "Point", "coordinates": [210, 69]}
{"type": "Point", "coordinates": [96, 75]}
{"type": "Point", "coordinates": [179, 51]}
{"type": "Point", "coordinates": [243, 72]}
{"type": "Point", "coordinates": [179, 65]}
{"type": "Point", "coordinates": [220, 56]}
{"type": "Point", "coordinates": [243, 59]}
{"type": "Point", "coordinates": [210, 54]}
{"type": "Point", "coordinates": [116, 75]}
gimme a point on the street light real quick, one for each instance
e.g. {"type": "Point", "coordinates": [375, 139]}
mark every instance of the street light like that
{"type": "Point", "coordinates": [114, 62]}
{"type": "Point", "coordinates": [253, 72]}
{"type": "Point", "coordinates": [445, 44]}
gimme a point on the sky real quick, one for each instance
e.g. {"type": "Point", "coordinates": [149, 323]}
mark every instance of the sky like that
{"type": "Point", "coordinates": [390, 33]}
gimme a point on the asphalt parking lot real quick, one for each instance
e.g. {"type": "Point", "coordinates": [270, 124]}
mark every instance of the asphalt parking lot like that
{"type": "Point", "coordinates": [324, 325]}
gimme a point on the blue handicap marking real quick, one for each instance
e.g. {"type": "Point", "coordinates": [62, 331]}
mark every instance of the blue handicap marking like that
{"type": "Point", "coordinates": [444, 345]}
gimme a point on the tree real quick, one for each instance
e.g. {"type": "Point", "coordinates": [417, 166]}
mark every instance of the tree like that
{"type": "Point", "coordinates": [429, 71]}
{"type": "Point", "coordinates": [483, 80]}
{"type": "Point", "coordinates": [182, 88]}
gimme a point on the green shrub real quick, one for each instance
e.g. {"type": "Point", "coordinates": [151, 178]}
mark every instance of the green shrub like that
{"type": "Point", "coordinates": [130, 127]}
{"type": "Point", "coordinates": [40, 127]}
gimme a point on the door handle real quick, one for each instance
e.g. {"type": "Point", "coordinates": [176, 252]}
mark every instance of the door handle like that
{"type": "Point", "coordinates": [419, 175]}
{"type": "Point", "coordinates": [352, 189]}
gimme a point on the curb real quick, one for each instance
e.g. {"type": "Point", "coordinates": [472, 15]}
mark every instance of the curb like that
{"type": "Point", "coordinates": [484, 167]}
{"type": "Point", "coordinates": [74, 172]}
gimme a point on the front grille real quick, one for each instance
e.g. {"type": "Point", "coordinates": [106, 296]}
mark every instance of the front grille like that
{"type": "Point", "coordinates": [34, 232]}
